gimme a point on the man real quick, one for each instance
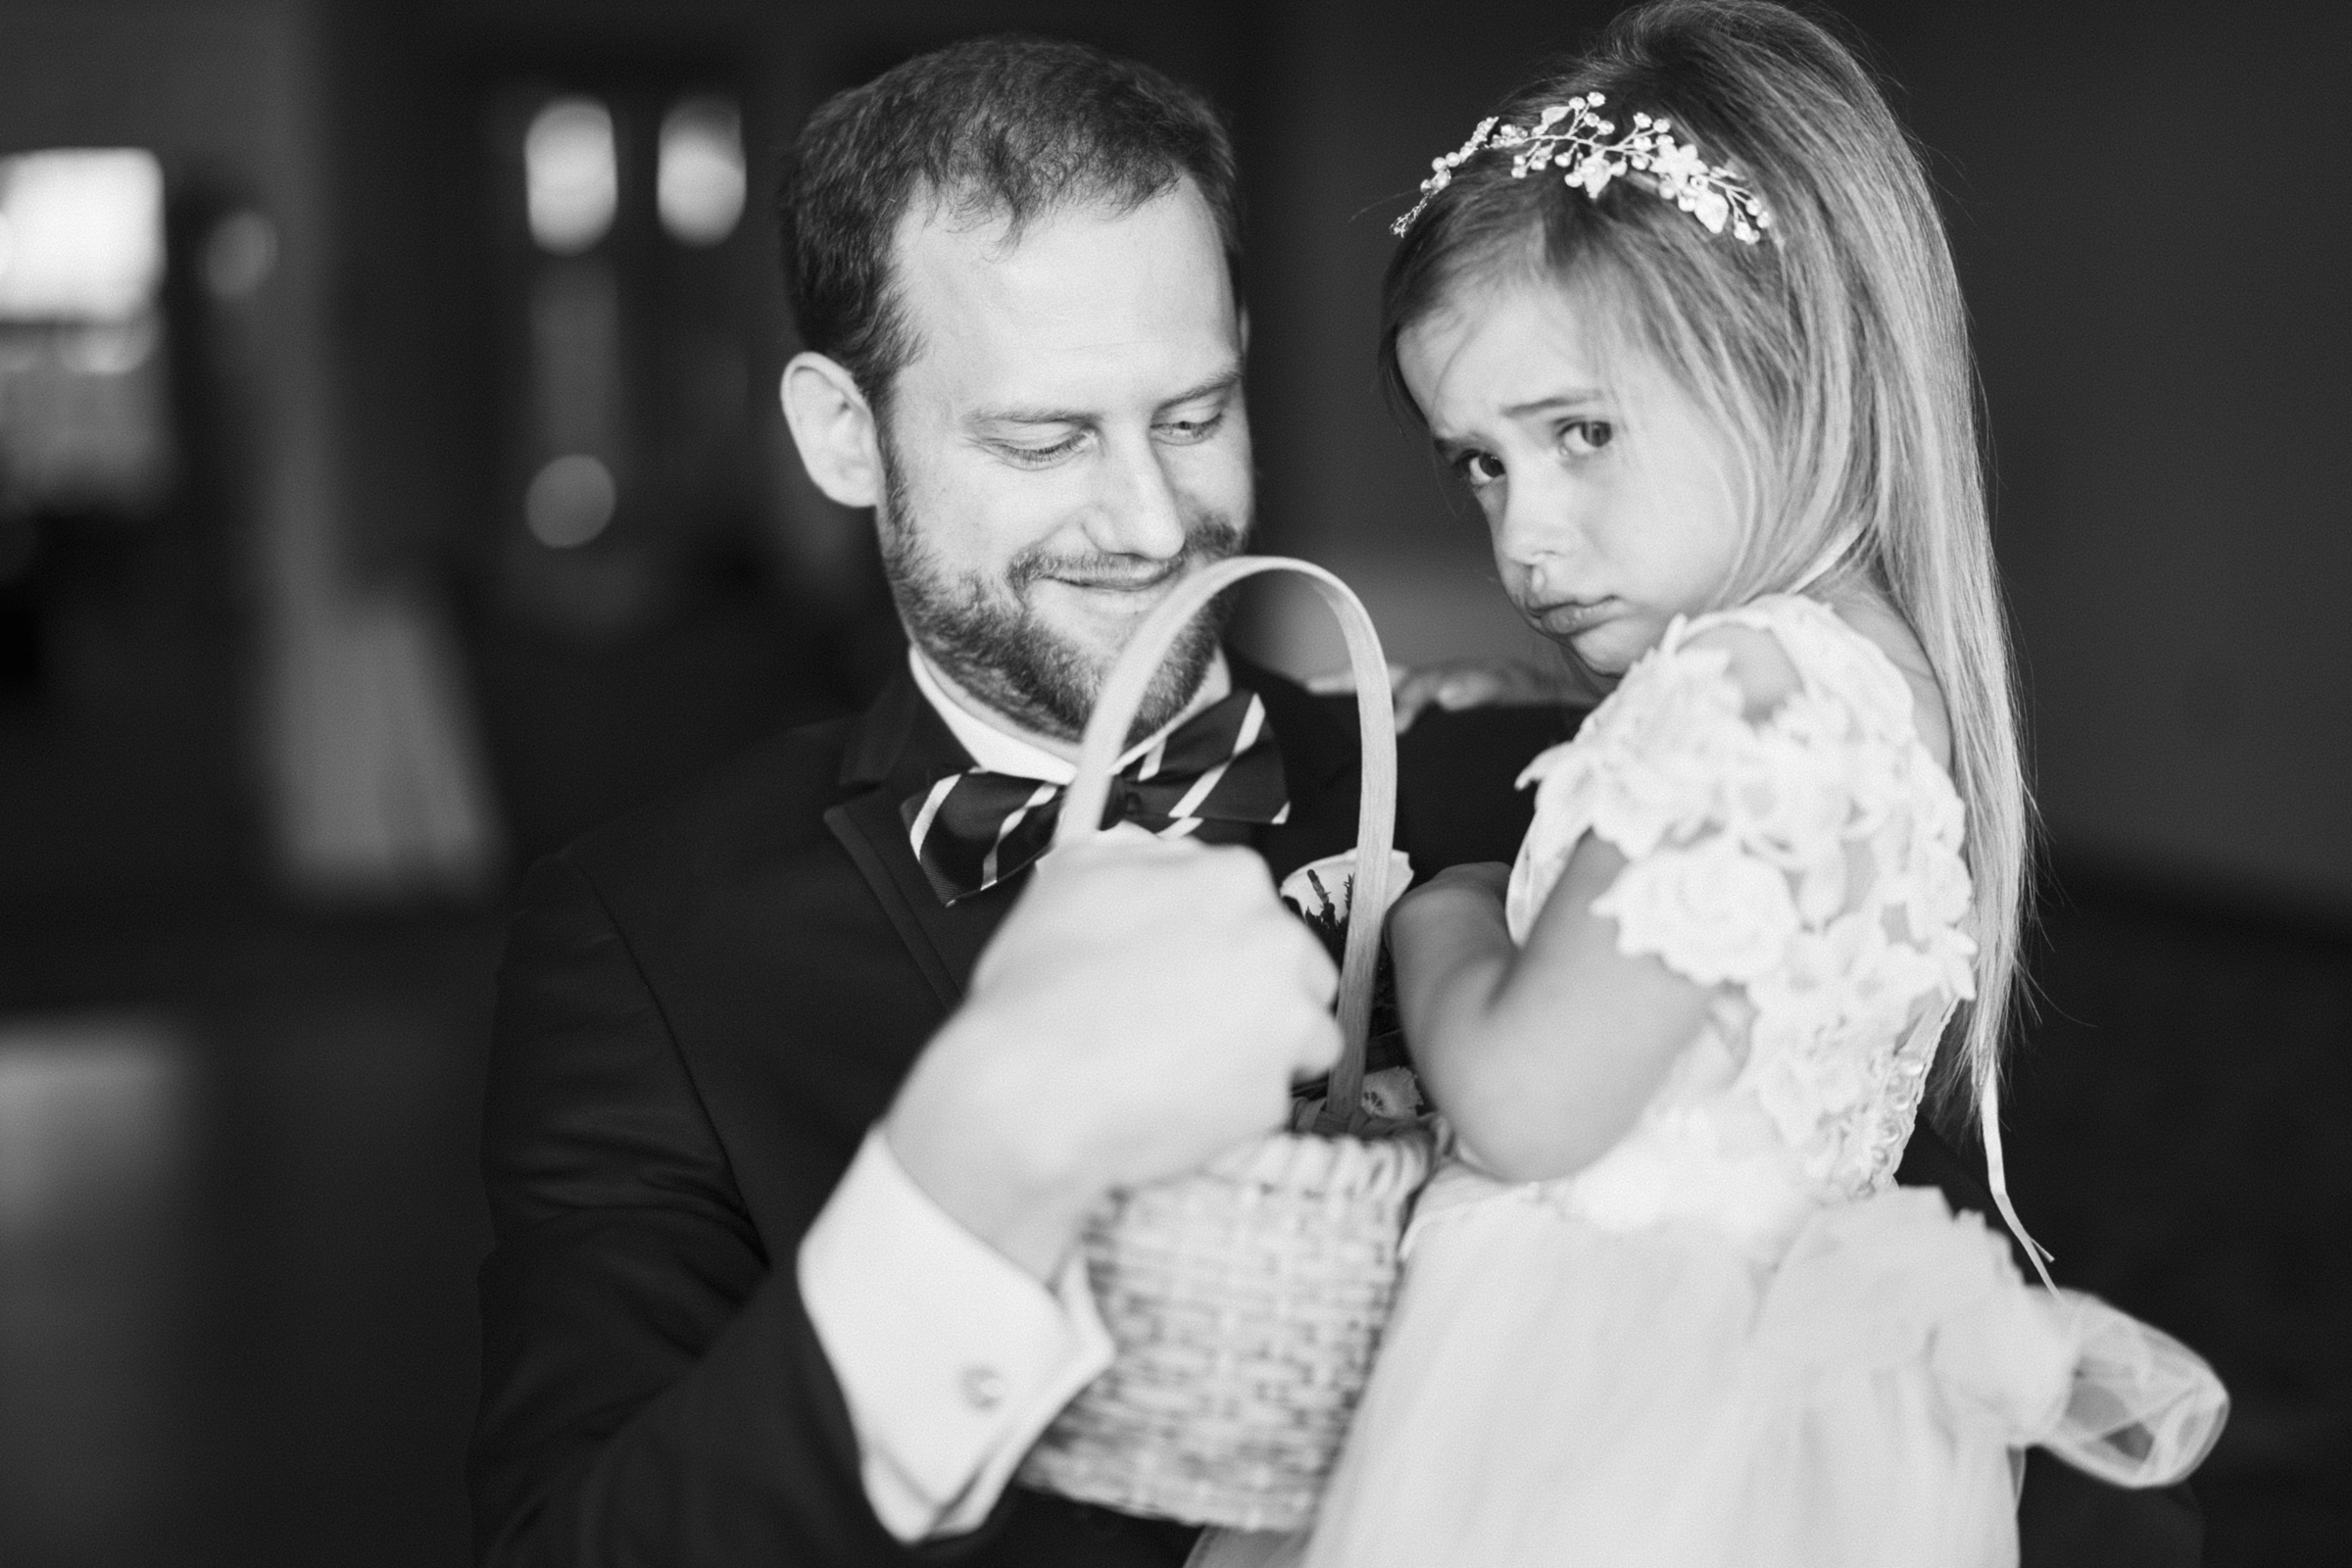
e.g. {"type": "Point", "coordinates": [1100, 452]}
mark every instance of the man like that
{"type": "Point", "coordinates": [793, 1114]}
{"type": "Point", "coordinates": [785, 1268]}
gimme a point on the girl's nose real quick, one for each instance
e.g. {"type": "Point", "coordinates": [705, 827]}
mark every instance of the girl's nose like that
{"type": "Point", "coordinates": [1536, 522]}
{"type": "Point", "coordinates": [1139, 512]}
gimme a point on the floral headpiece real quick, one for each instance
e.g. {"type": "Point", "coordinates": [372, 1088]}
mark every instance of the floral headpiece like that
{"type": "Point", "coordinates": [1649, 155]}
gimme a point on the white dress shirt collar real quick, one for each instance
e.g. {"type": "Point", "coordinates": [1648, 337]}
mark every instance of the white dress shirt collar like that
{"type": "Point", "coordinates": [999, 751]}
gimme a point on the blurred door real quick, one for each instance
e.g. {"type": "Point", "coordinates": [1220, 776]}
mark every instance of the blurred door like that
{"type": "Point", "coordinates": [632, 631]}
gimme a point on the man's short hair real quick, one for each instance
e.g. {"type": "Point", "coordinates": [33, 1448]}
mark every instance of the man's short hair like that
{"type": "Point", "coordinates": [1007, 128]}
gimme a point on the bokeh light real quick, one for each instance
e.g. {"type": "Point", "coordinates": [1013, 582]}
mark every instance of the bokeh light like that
{"type": "Point", "coordinates": [700, 187]}
{"type": "Point", "coordinates": [239, 255]}
{"type": "Point", "coordinates": [570, 501]}
{"type": "Point", "coordinates": [571, 181]}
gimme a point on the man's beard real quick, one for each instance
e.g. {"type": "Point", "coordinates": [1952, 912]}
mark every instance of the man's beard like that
{"type": "Point", "coordinates": [1001, 651]}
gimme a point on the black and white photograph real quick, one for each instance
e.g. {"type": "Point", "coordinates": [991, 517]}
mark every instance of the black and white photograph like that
{"type": "Point", "coordinates": [1046, 784]}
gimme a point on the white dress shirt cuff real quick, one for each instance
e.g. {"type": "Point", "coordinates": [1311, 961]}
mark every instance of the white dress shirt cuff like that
{"type": "Point", "coordinates": [951, 1357]}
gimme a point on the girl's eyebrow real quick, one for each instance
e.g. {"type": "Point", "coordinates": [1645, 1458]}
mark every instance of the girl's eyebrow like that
{"type": "Point", "coordinates": [1574, 398]}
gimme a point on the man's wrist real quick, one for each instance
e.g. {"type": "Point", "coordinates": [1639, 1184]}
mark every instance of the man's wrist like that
{"type": "Point", "coordinates": [1013, 1190]}
{"type": "Point", "coordinates": [951, 1357]}
{"type": "Point", "coordinates": [1033, 1225]}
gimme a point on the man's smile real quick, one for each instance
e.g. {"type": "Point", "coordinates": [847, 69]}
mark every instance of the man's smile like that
{"type": "Point", "coordinates": [1140, 580]}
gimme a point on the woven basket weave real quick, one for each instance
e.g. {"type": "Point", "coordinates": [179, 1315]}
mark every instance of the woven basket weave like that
{"type": "Point", "coordinates": [1246, 1301]}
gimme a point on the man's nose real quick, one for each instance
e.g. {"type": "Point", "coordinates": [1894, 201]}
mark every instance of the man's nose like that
{"type": "Point", "coordinates": [1139, 512]}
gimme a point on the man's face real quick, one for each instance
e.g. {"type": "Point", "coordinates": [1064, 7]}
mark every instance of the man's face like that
{"type": "Point", "coordinates": [1067, 443]}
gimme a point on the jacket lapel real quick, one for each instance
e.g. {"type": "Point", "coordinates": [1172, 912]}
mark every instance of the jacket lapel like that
{"type": "Point", "coordinates": [946, 940]}
{"type": "Point", "coordinates": [902, 746]}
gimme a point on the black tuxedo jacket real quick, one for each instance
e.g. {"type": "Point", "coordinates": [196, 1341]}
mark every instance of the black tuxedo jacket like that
{"type": "Point", "coordinates": [702, 1008]}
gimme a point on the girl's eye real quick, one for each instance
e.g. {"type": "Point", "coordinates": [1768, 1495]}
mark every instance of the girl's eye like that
{"type": "Point", "coordinates": [1583, 437]}
{"type": "Point", "coordinates": [1479, 468]}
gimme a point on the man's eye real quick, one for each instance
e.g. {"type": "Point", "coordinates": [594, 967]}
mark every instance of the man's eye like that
{"type": "Point", "coordinates": [1188, 432]}
{"type": "Point", "coordinates": [1040, 457]}
{"type": "Point", "coordinates": [1583, 438]}
{"type": "Point", "coordinates": [1477, 469]}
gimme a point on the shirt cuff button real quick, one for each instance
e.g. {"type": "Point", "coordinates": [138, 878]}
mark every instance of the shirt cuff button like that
{"type": "Point", "coordinates": [983, 1388]}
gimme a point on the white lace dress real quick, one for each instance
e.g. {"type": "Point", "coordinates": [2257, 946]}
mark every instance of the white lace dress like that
{"type": "Point", "coordinates": [1732, 1340]}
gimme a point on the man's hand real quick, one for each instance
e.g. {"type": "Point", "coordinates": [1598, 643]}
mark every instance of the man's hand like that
{"type": "Point", "coordinates": [1144, 1008]}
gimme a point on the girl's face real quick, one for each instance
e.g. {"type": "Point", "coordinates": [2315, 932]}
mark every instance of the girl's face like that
{"type": "Point", "coordinates": [1611, 498]}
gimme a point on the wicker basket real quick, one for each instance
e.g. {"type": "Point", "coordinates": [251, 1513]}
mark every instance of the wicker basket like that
{"type": "Point", "coordinates": [1246, 1301]}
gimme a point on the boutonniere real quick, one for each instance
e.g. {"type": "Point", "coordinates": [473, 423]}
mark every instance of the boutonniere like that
{"type": "Point", "coordinates": [1321, 894]}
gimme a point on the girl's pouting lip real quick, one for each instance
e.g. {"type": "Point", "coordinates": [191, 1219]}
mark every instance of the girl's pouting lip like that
{"type": "Point", "coordinates": [1572, 617]}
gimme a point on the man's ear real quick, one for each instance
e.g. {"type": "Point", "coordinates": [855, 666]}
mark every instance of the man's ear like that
{"type": "Point", "coordinates": [834, 429]}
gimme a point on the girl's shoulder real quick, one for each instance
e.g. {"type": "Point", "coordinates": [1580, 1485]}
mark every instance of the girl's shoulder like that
{"type": "Point", "coordinates": [1748, 648]}
{"type": "Point", "coordinates": [1774, 726]}
{"type": "Point", "coordinates": [1783, 675]}
{"type": "Point", "coordinates": [1778, 671]}
{"type": "Point", "coordinates": [1860, 656]}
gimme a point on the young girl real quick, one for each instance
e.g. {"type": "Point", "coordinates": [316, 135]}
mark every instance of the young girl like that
{"type": "Point", "coordinates": [1684, 320]}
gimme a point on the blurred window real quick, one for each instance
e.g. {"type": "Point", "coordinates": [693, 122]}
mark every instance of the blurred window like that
{"type": "Point", "coordinates": [84, 417]}
{"type": "Point", "coordinates": [81, 234]}
{"type": "Point", "coordinates": [634, 475]}
{"type": "Point", "coordinates": [700, 185]}
{"type": "Point", "coordinates": [572, 177]}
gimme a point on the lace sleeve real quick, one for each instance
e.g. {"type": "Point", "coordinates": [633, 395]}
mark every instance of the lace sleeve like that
{"type": "Point", "coordinates": [1808, 854]}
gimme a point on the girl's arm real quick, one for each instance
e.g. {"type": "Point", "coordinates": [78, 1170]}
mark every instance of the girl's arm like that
{"type": "Point", "coordinates": [1540, 1057]}
{"type": "Point", "coordinates": [1543, 1056]}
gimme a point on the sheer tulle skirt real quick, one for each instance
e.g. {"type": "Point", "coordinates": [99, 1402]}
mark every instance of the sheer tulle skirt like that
{"type": "Point", "coordinates": [1551, 1392]}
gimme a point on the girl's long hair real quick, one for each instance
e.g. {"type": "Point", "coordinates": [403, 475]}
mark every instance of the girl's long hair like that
{"type": "Point", "coordinates": [1835, 353]}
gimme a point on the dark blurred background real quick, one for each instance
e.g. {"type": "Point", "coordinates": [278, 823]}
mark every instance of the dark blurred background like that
{"type": "Point", "coordinates": [391, 486]}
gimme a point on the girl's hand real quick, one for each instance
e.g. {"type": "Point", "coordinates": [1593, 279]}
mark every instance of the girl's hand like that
{"type": "Point", "coordinates": [1471, 895]}
{"type": "Point", "coordinates": [1486, 881]}
{"type": "Point", "coordinates": [1455, 684]}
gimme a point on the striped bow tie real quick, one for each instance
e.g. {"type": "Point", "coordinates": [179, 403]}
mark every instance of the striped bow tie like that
{"type": "Point", "coordinates": [1211, 777]}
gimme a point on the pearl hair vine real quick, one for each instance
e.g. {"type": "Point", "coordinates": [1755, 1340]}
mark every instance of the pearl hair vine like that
{"type": "Point", "coordinates": [1571, 137]}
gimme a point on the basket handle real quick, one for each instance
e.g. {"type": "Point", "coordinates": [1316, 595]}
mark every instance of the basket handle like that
{"type": "Point", "coordinates": [1106, 738]}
